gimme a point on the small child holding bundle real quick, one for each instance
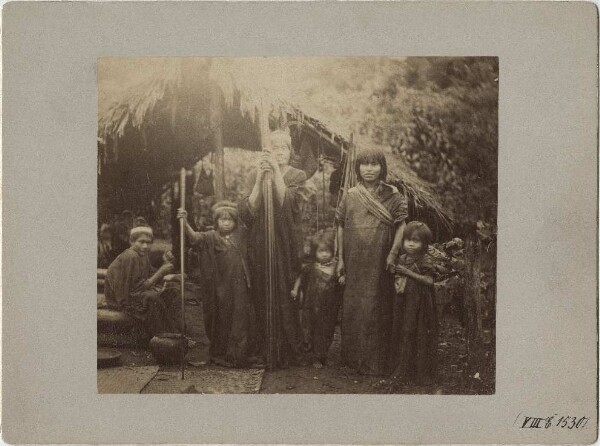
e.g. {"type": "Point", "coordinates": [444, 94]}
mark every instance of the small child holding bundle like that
{"type": "Point", "coordinates": [321, 298]}
{"type": "Point", "coordinates": [415, 323]}
{"type": "Point", "coordinates": [227, 307]}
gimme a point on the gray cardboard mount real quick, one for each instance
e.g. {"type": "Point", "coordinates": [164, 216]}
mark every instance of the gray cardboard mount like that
{"type": "Point", "coordinates": [547, 264]}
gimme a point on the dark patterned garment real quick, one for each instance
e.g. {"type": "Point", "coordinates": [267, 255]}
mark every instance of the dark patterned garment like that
{"type": "Point", "coordinates": [321, 304]}
{"type": "Point", "coordinates": [227, 306]}
{"type": "Point", "coordinates": [414, 330]}
{"type": "Point", "coordinates": [288, 250]}
{"type": "Point", "coordinates": [158, 308]}
{"type": "Point", "coordinates": [369, 291]}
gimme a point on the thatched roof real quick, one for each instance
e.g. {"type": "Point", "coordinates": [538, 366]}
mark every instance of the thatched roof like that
{"type": "Point", "coordinates": [166, 117]}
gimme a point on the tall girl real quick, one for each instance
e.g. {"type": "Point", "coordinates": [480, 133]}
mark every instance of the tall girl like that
{"type": "Point", "coordinates": [370, 221]}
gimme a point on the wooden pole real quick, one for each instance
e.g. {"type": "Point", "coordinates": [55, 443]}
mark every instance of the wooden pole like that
{"type": "Point", "coordinates": [318, 167]}
{"type": "Point", "coordinates": [182, 258]}
{"type": "Point", "coordinates": [271, 317]}
{"type": "Point", "coordinates": [348, 177]}
{"type": "Point", "coordinates": [216, 117]}
{"type": "Point", "coordinates": [472, 303]}
{"type": "Point", "coordinates": [352, 173]}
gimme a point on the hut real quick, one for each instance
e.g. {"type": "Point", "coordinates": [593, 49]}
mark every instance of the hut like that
{"type": "Point", "coordinates": [190, 107]}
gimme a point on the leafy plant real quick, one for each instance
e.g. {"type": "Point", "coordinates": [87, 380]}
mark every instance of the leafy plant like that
{"type": "Point", "coordinates": [441, 116]}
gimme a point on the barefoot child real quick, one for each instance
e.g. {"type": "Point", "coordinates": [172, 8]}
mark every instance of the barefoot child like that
{"type": "Point", "coordinates": [228, 311]}
{"type": "Point", "coordinates": [415, 324]}
{"type": "Point", "coordinates": [317, 281]}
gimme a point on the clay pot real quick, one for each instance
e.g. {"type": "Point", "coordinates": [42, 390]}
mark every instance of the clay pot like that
{"type": "Point", "coordinates": [108, 357]}
{"type": "Point", "coordinates": [167, 348]}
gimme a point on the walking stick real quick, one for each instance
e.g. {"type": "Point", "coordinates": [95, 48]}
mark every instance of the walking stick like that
{"type": "Point", "coordinates": [182, 257]}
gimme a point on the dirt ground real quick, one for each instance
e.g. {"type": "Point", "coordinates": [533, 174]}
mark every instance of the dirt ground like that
{"type": "Point", "coordinates": [453, 375]}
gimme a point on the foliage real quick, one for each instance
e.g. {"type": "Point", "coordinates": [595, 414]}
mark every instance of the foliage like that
{"type": "Point", "coordinates": [449, 258]}
{"type": "Point", "coordinates": [440, 115]}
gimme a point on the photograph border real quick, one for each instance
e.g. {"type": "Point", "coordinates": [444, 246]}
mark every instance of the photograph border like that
{"type": "Point", "coordinates": [548, 121]}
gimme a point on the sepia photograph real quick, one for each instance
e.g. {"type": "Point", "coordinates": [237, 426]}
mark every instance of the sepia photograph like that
{"type": "Point", "coordinates": [301, 225]}
{"type": "Point", "coordinates": [311, 222]}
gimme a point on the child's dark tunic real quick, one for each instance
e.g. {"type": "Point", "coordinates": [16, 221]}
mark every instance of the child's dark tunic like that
{"type": "Point", "coordinates": [322, 299]}
{"type": "Point", "coordinates": [228, 311]}
{"type": "Point", "coordinates": [414, 323]}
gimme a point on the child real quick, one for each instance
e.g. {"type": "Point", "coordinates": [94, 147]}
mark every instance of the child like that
{"type": "Point", "coordinates": [133, 286]}
{"type": "Point", "coordinates": [228, 311]}
{"type": "Point", "coordinates": [415, 326]}
{"type": "Point", "coordinates": [317, 281]}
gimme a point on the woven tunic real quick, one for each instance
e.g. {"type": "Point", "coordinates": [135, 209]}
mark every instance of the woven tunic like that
{"type": "Point", "coordinates": [415, 323]}
{"type": "Point", "coordinates": [227, 306]}
{"type": "Point", "coordinates": [288, 243]}
{"type": "Point", "coordinates": [321, 303]}
{"type": "Point", "coordinates": [156, 307]}
{"type": "Point", "coordinates": [369, 291]}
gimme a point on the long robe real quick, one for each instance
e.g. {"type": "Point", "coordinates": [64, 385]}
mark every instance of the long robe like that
{"type": "Point", "coordinates": [415, 323]}
{"type": "Point", "coordinates": [227, 307]}
{"type": "Point", "coordinates": [156, 307]}
{"type": "Point", "coordinates": [288, 250]}
{"type": "Point", "coordinates": [369, 291]}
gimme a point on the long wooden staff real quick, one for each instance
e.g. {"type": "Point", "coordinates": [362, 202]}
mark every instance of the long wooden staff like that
{"type": "Point", "coordinates": [268, 205]}
{"type": "Point", "coordinates": [348, 177]}
{"type": "Point", "coordinates": [182, 257]}
{"type": "Point", "coordinates": [269, 249]}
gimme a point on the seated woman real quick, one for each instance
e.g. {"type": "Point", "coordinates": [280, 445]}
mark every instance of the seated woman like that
{"type": "Point", "coordinates": [133, 286]}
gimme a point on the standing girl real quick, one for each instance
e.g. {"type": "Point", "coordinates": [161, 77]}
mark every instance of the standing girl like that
{"type": "Point", "coordinates": [227, 308]}
{"type": "Point", "coordinates": [370, 221]}
{"type": "Point", "coordinates": [318, 284]}
{"type": "Point", "coordinates": [415, 324]}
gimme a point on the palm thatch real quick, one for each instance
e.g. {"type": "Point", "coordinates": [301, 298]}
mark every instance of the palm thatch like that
{"type": "Point", "coordinates": [139, 102]}
{"type": "Point", "coordinates": [168, 121]}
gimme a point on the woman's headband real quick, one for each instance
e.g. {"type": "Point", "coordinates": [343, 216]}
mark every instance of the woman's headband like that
{"type": "Point", "coordinates": [231, 209]}
{"type": "Point", "coordinates": [141, 230]}
{"type": "Point", "coordinates": [224, 205]}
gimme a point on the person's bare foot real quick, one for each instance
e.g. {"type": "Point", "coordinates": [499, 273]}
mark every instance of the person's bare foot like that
{"type": "Point", "coordinates": [317, 364]}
